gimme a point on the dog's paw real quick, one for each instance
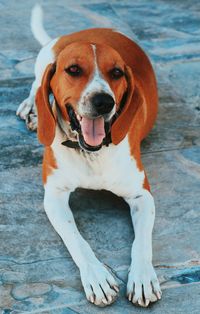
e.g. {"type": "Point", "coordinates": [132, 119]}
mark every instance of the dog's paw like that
{"type": "Point", "coordinates": [31, 121]}
{"type": "Point", "coordinates": [25, 108]}
{"type": "Point", "coordinates": [99, 285]}
{"type": "Point", "coordinates": [143, 286]}
{"type": "Point", "coordinates": [27, 112]}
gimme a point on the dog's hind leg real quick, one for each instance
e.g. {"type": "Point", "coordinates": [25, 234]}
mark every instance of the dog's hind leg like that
{"type": "Point", "coordinates": [27, 109]}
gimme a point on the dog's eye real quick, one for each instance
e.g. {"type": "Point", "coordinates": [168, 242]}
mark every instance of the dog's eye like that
{"type": "Point", "coordinates": [116, 73]}
{"type": "Point", "coordinates": [74, 70]}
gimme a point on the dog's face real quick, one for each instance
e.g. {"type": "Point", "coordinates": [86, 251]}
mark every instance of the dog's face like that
{"type": "Point", "coordinates": [88, 83]}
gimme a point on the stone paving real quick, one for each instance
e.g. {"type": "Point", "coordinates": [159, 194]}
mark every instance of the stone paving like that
{"type": "Point", "coordinates": [37, 274]}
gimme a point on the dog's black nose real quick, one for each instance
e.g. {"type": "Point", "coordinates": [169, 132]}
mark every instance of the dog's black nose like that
{"type": "Point", "coordinates": [103, 103]}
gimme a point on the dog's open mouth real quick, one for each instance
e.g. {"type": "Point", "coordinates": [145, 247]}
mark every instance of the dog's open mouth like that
{"type": "Point", "coordinates": [91, 132]}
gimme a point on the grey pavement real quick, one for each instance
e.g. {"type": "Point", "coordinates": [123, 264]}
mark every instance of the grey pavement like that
{"type": "Point", "coordinates": [37, 274]}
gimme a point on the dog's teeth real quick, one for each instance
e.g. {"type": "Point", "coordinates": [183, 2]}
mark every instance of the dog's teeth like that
{"type": "Point", "coordinates": [78, 117]}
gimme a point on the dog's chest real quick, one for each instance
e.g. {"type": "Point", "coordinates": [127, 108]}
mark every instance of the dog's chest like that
{"type": "Point", "coordinates": [112, 168]}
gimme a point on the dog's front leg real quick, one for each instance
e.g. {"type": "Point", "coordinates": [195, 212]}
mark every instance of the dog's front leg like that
{"type": "Point", "coordinates": [143, 286]}
{"type": "Point", "coordinates": [99, 285]}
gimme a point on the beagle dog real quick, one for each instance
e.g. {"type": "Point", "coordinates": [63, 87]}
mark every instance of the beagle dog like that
{"type": "Point", "coordinates": [96, 99]}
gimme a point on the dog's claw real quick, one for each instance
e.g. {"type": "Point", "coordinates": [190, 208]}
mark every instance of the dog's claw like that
{"type": "Point", "coordinates": [140, 302]}
{"type": "Point", "coordinates": [158, 294]}
{"type": "Point", "coordinates": [116, 288]}
{"type": "Point", "coordinates": [104, 301]}
{"type": "Point", "coordinates": [91, 299]}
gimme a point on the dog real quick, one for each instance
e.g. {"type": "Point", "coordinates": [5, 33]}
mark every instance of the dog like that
{"type": "Point", "coordinates": [96, 98]}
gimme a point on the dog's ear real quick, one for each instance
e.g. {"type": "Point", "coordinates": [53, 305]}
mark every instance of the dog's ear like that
{"type": "Point", "coordinates": [46, 119]}
{"type": "Point", "coordinates": [130, 103]}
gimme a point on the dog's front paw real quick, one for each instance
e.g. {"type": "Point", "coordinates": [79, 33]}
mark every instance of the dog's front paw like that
{"type": "Point", "coordinates": [143, 285]}
{"type": "Point", "coordinates": [99, 285]}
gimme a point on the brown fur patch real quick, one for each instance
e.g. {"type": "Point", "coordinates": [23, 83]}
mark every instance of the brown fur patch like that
{"type": "Point", "coordinates": [49, 163]}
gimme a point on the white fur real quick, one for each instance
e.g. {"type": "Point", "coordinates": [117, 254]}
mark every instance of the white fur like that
{"type": "Point", "coordinates": [142, 279]}
{"type": "Point", "coordinates": [45, 57]}
{"type": "Point", "coordinates": [37, 26]}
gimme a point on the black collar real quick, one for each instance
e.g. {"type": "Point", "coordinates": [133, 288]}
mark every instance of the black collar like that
{"type": "Point", "coordinates": [71, 144]}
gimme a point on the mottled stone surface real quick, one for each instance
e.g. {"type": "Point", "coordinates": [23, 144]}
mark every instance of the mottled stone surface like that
{"type": "Point", "coordinates": [37, 274]}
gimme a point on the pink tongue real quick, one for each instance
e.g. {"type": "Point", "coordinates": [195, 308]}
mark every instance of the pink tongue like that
{"type": "Point", "coordinates": [93, 130]}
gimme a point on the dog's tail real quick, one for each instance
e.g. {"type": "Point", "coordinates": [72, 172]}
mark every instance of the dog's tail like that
{"type": "Point", "coordinates": [37, 25]}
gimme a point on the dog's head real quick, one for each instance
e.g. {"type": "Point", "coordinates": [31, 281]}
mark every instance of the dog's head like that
{"type": "Point", "coordinates": [89, 83]}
